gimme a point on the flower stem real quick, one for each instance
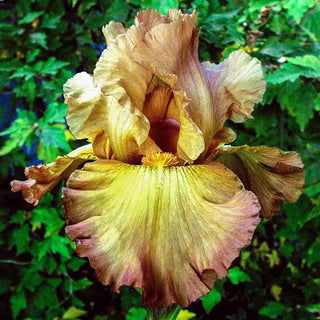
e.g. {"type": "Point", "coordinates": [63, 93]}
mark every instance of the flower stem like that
{"type": "Point", "coordinates": [169, 313]}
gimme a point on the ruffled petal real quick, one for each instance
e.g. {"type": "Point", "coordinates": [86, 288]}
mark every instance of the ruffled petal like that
{"type": "Point", "coordinates": [236, 85]}
{"type": "Point", "coordinates": [273, 175]}
{"type": "Point", "coordinates": [150, 18]}
{"type": "Point", "coordinates": [44, 178]}
{"type": "Point", "coordinates": [179, 227]}
{"type": "Point", "coordinates": [128, 131]}
{"type": "Point", "coordinates": [87, 107]}
{"type": "Point", "coordinates": [112, 30]}
{"type": "Point", "coordinates": [169, 50]}
{"type": "Point", "coordinates": [118, 75]}
{"type": "Point", "coordinates": [87, 115]}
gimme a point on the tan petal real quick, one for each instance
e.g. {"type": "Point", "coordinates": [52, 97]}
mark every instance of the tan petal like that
{"type": "Point", "coordinates": [150, 18]}
{"type": "Point", "coordinates": [112, 30]}
{"type": "Point", "coordinates": [118, 75]}
{"type": "Point", "coordinates": [169, 51]}
{"type": "Point", "coordinates": [236, 85]}
{"type": "Point", "coordinates": [179, 227]}
{"type": "Point", "coordinates": [273, 175]}
{"type": "Point", "coordinates": [128, 130]}
{"type": "Point", "coordinates": [44, 178]}
{"type": "Point", "coordinates": [87, 107]}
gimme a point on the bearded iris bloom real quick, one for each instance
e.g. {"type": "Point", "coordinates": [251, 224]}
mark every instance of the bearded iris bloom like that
{"type": "Point", "coordinates": [165, 203]}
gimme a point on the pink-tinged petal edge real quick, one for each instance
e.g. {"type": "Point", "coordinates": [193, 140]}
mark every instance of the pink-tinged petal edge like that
{"type": "Point", "coordinates": [273, 175]}
{"type": "Point", "coordinates": [170, 231]}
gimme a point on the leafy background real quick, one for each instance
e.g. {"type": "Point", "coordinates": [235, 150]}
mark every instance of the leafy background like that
{"type": "Point", "coordinates": [42, 43]}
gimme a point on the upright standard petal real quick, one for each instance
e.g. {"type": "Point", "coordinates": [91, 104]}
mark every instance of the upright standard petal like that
{"type": "Point", "coordinates": [236, 85]}
{"type": "Point", "coordinates": [169, 50]}
{"type": "Point", "coordinates": [43, 178]}
{"type": "Point", "coordinates": [273, 175]}
{"type": "Point", "coordinates": [179, 226]}
{"type": "Point", "coordinates": [87, 115]}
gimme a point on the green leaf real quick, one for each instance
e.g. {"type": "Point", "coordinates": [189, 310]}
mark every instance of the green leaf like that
{"type": "Point", "coordinates": [20, 131]}
{"type": "Point", "coordinates": [31, 279]}
{"type": "Point", "coordinates": [51, 21]}
{"type": "Point", "coordinates": [75, 264]}
{"type": "Point", "coordinates": [136, 314]}
{"type": "Point", "coordinates": [50, 218]}
{"type": "Point", "coordinates": [307, 61]}
{"type": "Point", "coordinates": [211, 300]}
{"type": "Point", "coordinates": [59, 245]}
{"type": "Point", "coordinates": [313, 254]}
{"type": "Point", "coordinates": [81, 284]}
{"type": "Point", "coordinates": [272, 310]}
{"type": "Point", "coordinates": [161, 5]}
{"type": "Point", "coordinates": [287, 72]}
{"type": "Point", "coordinates": [299, 99]}
{"type": "Point", "coordinates": [20, 238]}
{"type": "Point", "coordinates": [274, 47]}
{"type": "Point", "coordinates": [30, 17]}
{"type": "Point", "coordinates": [51, 66]}
{"type": "Point", "coordinates": [73, 313]}
{"type": "Point", "coordinates": [47, 153]}
{"type": "Point", "coordinates": [27, 89]}
{"type": "Point", "coordinates": [32, 55]}
{"type": "Point", "coordinates": [18, 302]}
{"type": "Point", "coordinates": [45, 297]}
{"type": "Point", "coordinates": [55, 113]}
{"type": "Point", "coordinates": [54, 136]}
{"type": "Point", "coordinates": [39, 38]}
{"type": "Point", "coordinates": [237, 276]}
{"type": "Point", "coordinates": [297, 8]}
{"type": "Point", "coordinates": [310, 23]}
{"type": "Point", "coordinates": [26, 72]}
{"type": "Point", "coordinates": [185, 315]}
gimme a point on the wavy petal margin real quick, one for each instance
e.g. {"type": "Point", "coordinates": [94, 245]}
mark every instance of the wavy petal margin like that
{"type": "Point", "coordinates": [170, 51]}
{"type": "Point", "coordinates": [273, 175]}
{"type": "Point", "coordinates": [237, 84]}
{"type": "Point", "coordinates": [170, 231]}
{"type": "Point", "coordinates": [43, 178]}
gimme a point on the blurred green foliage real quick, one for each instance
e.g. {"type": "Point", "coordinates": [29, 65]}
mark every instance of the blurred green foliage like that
{"type": "Point", "coordinates": [42, 43]}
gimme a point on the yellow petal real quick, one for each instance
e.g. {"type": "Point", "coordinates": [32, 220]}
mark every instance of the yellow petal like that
{"type": "Point", "coordinates": [273, 175]}
{"type": "Point", "coordinates": [87, 107]}
{"type": "Point", "coordinates": [171, 231]}
{"type": "Point", "coordinates": [128, 131]}
{"type": "Point", "coordinates": [44, 178]}
{"type": "Point", "coordinates": [236, 85]}
{"type": "Point", "coordinates": [112, 30]}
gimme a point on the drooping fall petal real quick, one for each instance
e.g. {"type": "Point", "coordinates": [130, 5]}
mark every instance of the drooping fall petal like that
{"type": "Point", "coordinates": [237, 84]}
{"type": "Point", "coordinates": [43, 178]}
{"type": "Point", "coordinates": [171, 231]}
{"type": "Point", "coordinates": [273, 175]}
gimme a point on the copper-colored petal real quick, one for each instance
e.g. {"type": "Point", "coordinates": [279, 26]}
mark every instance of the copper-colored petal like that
{"type": "Point", "coordinates": [273, 175]}
{"type": "Point", "coordinates": [118, 75]}
{"type": "Point", "coordinates": [236, 85]}
{"type": "Point", "coordinates": [150, 18]}
{"type": "Point", "coordinates": [43, 178]}
{"type": "Point", "coordinates": [170, 52]}
{"type": "Point", "coordinates": [180, 227]}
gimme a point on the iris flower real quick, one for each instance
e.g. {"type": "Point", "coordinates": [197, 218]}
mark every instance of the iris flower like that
{"type": "Point", "coordinates": [165, 203]}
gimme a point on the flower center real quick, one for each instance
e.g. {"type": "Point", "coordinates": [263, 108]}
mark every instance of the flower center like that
{"type": "Point", "coordinates": [165, 133]}
{"type": "Point", "coordinates": [160, 159]}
